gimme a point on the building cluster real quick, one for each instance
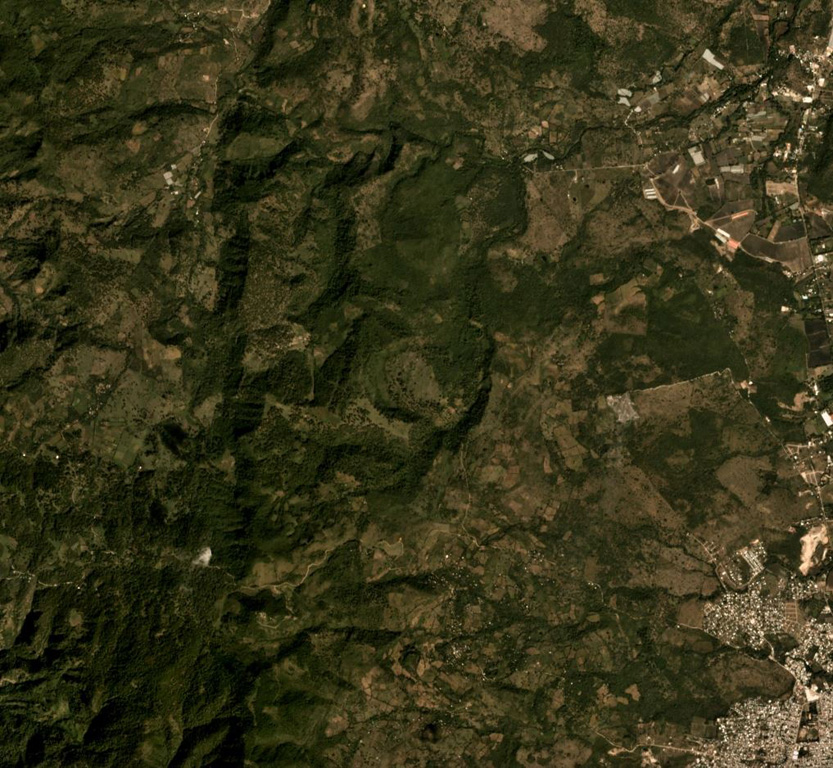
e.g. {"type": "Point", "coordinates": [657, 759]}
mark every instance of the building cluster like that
{"type": "Point", "coordinates": [748, 618]}
{"type": "Point", "coordinates": [718, 179]}
{"type": "Point", "coordinates": [735, 173]}
{"type": "Point", "coordinates": [758, 732]}
{"type": "Point", "coordinates": [740, 569]}
{"type": "Point", "coordinates": [796, 731]}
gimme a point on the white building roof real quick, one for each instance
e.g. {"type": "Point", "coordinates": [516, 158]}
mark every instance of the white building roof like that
{"type": "Point", "coordinates": [710, 57]}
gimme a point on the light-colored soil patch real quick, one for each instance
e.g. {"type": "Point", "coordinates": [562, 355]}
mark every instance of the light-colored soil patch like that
{"type": "Point", "coordinates": [622, 406]}
{"type": "Point", "coordinates": [515, 20]}
{"type": "Point", "coordinates": [813, 548]}
{"type": "Point", "coordinates": [625, 310]}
